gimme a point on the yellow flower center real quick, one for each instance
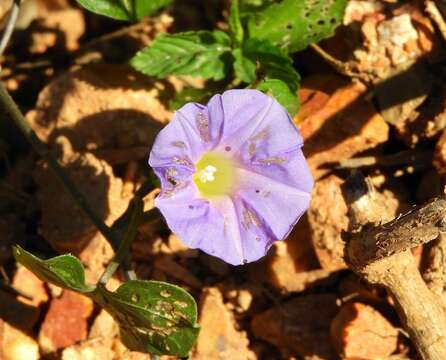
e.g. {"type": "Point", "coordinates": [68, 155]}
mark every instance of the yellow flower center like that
{"type": "Point", "coordinates": [214, 175]}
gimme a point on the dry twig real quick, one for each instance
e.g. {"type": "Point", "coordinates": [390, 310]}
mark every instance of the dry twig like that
{"type": "Point", "coordinates": [381, 255]}
{"type": "Point", "coordinates": [343, 68]}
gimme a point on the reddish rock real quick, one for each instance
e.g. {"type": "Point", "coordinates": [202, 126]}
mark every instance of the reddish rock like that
{"type": "Point", "coordinates": [358, 330]}
{"type": "Point", "coordinates": [327, 218]}
{"type": "Point", "coordinates": [65, 322]}
{"type": "Point", "coordinates": [219, 339]}
{"type": "Point", "coordinates": [110, 110]}
{"type": "Point", "coordinates": [336, 121]}
{"type": "Point", "coordinates": [299, 326]}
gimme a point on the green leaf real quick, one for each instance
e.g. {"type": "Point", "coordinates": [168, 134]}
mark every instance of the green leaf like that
{"type": "Point", "coordinates": [274, 63]}
{"type": "Point", "coordinates": [154, 317]}
{"type": "Point", "coordinates": [235, 25]}
{"type": "Point", "coordinates": [280, 79]}
{"type": "Point", "coordinates": [200, 53]}
{"type": "Point", "coordinates": [294, 24]}
{"type": "Point", "coordinates": [283, 94]}
{"type": "Point", "coordinates": [65, 271]}
{"type": "Point", "coordinates": [245, 69]}
{"type": "Point", "coordinates": [191, 95]}
{"type": "Point", "coordinates": [248, 6]}
{"type": "Point", "coordinates": [131, 10]}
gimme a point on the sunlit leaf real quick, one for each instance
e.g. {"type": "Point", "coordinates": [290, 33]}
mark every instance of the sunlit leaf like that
{"type": "Point", "coordinates": [282, 93]}
{"type": "Point", "coordinates": [65, 270]}
{"type": "Point", "coordinates": [235, 25]}
{"type": "Point", "coordinates": [294, 24]}
{"type": "Point", "coordinates": [153, 316]}
{"type": "Point", "coordinates": [274, 63]}
{"type": "Point", "coordinates": [196, 53]}
{"type": "Point", "coordinates": [191, 94]}
{"type": "Point", "coordinates": [130, 10]}
{"type": "Point", "coordinates": [245, 68]}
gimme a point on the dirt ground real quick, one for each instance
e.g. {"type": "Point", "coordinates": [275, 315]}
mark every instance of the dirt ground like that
{"type": "Point", "coordinates": [382, 112]}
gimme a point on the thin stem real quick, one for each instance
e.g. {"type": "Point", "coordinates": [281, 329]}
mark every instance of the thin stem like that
{"type": "Point", "coordinates": [124, 245]}
{"type": "Point", "coordinates": [343, 68]}
{"type": "Point", "coordinates": [9, 107]}
{"type": "Point", "coordinates": [10, 25]}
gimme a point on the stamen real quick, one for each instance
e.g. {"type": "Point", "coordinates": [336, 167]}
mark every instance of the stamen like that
{"type": "Point", "coordinates": [214, 174]}
{"type": "Point", "coordinates": [207, 174]}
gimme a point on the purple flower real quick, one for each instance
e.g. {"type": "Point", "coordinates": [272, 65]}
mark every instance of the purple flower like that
{"type": "Point", "coordinates": [233, 176]}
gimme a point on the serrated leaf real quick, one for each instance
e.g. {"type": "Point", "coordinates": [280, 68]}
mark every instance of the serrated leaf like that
{"type": "Point", "coordinates": [235, 25]}
{"type": "Point", "coordinates": [65, 270]}
{"type": "Point", "coordinates": [283, 94]}
{"type": "Point", "coordinates": [130, 10]}
{"type": "Point", "coordinates": [195, 53]}
{"type": "Point", "coordinates": [248, 6]}
{"type": "Point", "coordinates": [245, 69]}
{"type": "Point", "coordinates": [153, 316]}
{"type": "Point", "coordinates": [274, 63]}
{"type": "Point", "coordinates": [190, 95]}
{"type": "Point", "coordinates": [294, 24]}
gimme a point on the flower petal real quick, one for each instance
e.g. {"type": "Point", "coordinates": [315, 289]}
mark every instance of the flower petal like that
{"type": "Point", "coordinates": [272, 182]}
{"type": "Point", "coordinates": [200, 224]}
{"type": "Point", "coordinates": [289, 168]}
{"type": "Point", "coordinates": [279, 205]}
{"type": "Point", "coordinates": [179, 139]}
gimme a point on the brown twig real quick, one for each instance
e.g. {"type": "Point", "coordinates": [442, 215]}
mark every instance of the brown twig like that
{"type": "Point", "coordinates": [417, 227]}
{"type": "Point", "coordinates": [414, 158]}
{"type": "Point", "coordinates": [343, 68]}
{"type": "Point", "coordinates": [381, 255]}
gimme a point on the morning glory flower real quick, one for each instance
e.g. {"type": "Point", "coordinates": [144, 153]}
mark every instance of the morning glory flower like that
{"type": "Point", "coordinates": [233, 176]}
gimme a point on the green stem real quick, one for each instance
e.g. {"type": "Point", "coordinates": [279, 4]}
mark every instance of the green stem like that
{"type": "Point", "coordinates": [10, 25]}
{"type": "Point", "coordinates": [10, 109]}
{"type": "Point", "coordinates": [124, 245]}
